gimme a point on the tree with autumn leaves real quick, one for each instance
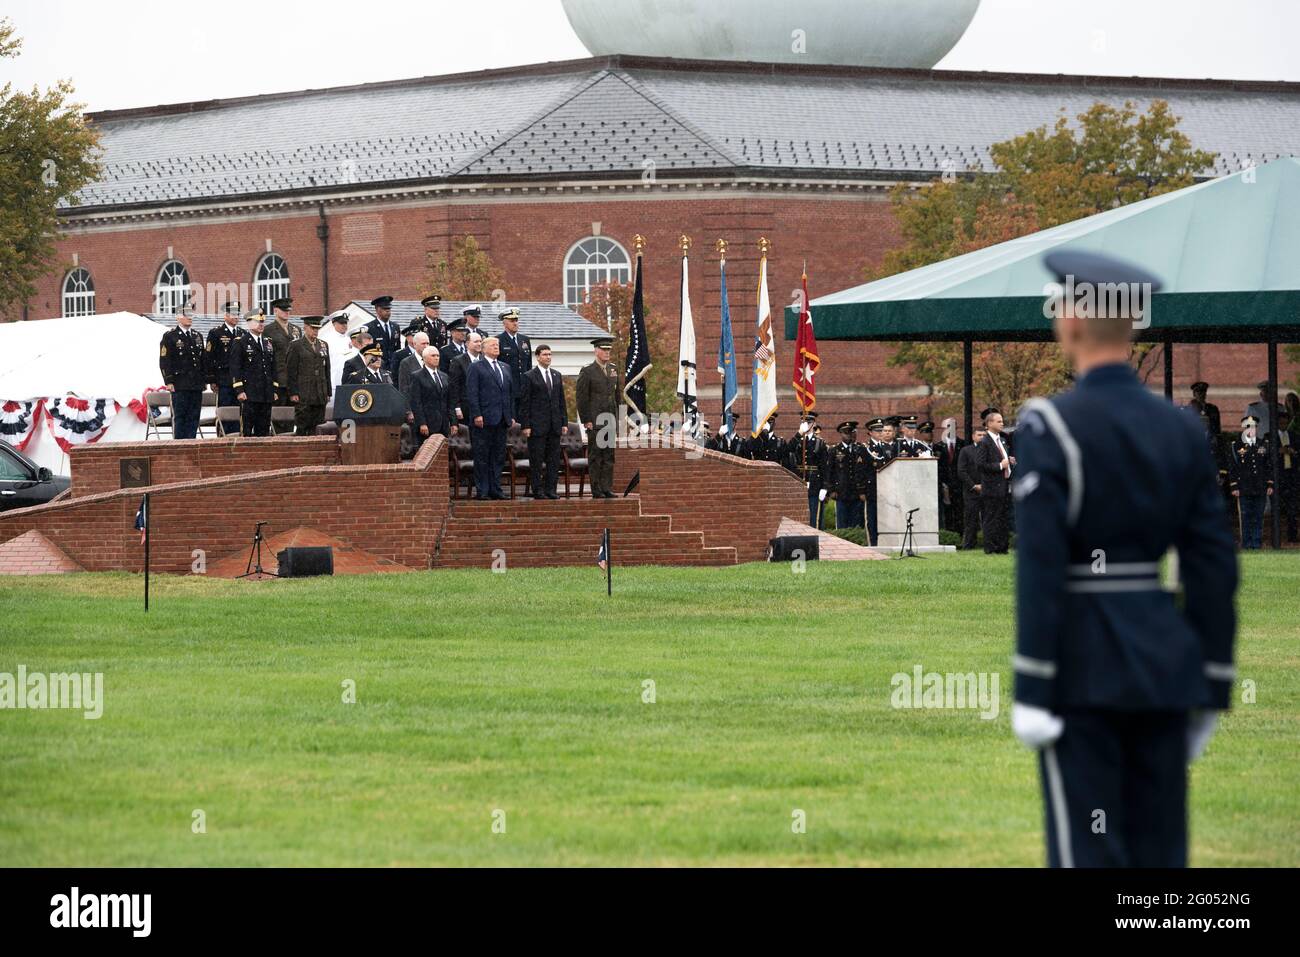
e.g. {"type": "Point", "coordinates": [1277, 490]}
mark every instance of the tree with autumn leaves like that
{"type": "Point", "coordinates": [48, 153]}
{"type": "Point", "coordinates": [1112, 156]}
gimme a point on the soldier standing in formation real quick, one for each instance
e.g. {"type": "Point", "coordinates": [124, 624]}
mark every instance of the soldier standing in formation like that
{"type": "Point", "coordinates": [598, 393]}
{"type": "Point", "coordinates": [1250, 480]}
{"type": "Point", "coordinates": [516, 351]}
{"type": "Point", "coordinates": [850, 475]}
{"type": "Point", "coordinates": [431, 323]}
{"type": "Point", "coordinates": [881, 451]}
{"type": "Point", "coordinates": [1118, 682]}
{"type": "Point", "coordinates": [384, 332]}
{"type": "Point", "coordinates": [805, 456]}
{"type": "Point", "coordinates": [455, 347]}
{"type": "Point", "coordinates": [726, 441]}
{"type": "Point", "coordinates": [307, 377]}
{"type": "Point", "coordinates": [217, 356]}
{"type": "Point", "coordinates": [252, 376]}
{"type": "Point", "coordinates": [180, 359]}
{"type": "Point", "coordinates": [766, 446]}
{"type": "Point", "coordinates": [282, 334]}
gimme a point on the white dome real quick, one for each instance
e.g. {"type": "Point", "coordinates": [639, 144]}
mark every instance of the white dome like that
{"type": "Point", "coordinates": [888, 33]}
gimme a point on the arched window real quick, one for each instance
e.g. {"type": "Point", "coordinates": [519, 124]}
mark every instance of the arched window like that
{"type": "Point", "coordinates": [590, 262]}
{"type": "Point", "coordinates": [270, 282]}
{"type": "Point", "coordinates": [173, 288]}
{"type": "Point", "coordinates": [78, 294]}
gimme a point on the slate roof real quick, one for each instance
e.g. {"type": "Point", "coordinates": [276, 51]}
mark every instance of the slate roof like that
{"type": "Point", "coordinates": [614, 115]}
{"type": "Point", "coordinates": [538, 320]}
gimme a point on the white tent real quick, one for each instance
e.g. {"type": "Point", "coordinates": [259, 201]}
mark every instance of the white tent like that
{"type": "Point", "coordinates": [94, 357]}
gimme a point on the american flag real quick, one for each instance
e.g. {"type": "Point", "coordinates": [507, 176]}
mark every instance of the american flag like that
{"type": "Point", "coordinates": [761, 352]}
{"type": "Point", "coordinates": [142, 520]}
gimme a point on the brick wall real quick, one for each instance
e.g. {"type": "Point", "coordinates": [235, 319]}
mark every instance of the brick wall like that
{"type": "Point", "coordinates": [95, 468]}
{"type": "Point", "coordinates": [393, 511]}
{"type": "Point", "coordinates": [734, 502]}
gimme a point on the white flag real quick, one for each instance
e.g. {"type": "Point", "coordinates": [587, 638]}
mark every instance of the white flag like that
{"type": "Point", "coordinates": [686, 390]}
{"type": "Point", "coordinates": [762, 395]}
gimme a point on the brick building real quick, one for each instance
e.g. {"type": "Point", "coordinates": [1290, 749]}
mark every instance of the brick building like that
{"type": "Point", "coordinates": [342, 194]}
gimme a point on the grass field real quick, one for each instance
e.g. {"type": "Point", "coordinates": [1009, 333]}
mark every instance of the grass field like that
{"type": "Point", "coordinates": [523, 693]}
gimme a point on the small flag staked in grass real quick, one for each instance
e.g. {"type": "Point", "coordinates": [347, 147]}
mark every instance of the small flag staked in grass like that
{"type": "Point", "coordinates": [602, 557]}
{"type": "Point", "coordinates": [141, 520]}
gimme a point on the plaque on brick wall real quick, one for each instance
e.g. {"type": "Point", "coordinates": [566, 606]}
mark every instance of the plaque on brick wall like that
{"type": "Point", "coordinates": [135, 473]}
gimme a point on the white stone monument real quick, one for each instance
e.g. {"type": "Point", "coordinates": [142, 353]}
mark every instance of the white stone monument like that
{"type": "Point", "coordinates": [903, 485]}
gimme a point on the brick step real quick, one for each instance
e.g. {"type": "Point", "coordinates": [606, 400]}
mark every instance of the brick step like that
{"type": "Point", "coordinates": [567, 532]}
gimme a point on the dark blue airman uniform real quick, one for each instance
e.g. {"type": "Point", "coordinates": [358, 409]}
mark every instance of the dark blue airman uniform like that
{"type": "Point", "coordinates": [387, 335]}
{"type": "Point", "coordinates": [1109, 478]}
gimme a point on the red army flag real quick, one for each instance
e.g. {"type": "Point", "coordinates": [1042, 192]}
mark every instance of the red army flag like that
{"type": "Point", "coordinates": [806, 359]}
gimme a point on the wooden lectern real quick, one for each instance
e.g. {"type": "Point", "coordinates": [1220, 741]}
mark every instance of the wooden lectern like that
{"type": "Point", "coordinates": [370, 417]}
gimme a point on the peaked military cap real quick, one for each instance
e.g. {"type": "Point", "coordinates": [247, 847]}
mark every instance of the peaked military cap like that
{"type": "Point", "coordinates": [382, 302]}
{"type": "Point", "coordinates": [286, 303]}
{"type": "Point", "coordinates": [434, 300]}
{"type": "Point", "coordinates": [1097, 268]}
{"type": "Point", "coordinates": [847, 427]}
{"type": "Point", "coordinates": [509, 314]}
{"type": "Point", "coordinates": [314, 321]}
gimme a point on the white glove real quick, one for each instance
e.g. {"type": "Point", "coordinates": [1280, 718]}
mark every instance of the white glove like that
{"type": "Point", "coordinates": [1200, 728]}
{"type": "Point", "coordinates": [1035, 727]}
{"type": "Point", "coordinates": [821, 496]}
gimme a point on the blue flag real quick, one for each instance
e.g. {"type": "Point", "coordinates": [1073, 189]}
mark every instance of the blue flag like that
{"type": "Point", "coordinates": [727, 360]}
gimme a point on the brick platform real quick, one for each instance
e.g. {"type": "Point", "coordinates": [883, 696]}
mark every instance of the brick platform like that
{"type": "Point", "coordinates": [692, 507]}
{"type": "Point", "coordinates": [31, 553]}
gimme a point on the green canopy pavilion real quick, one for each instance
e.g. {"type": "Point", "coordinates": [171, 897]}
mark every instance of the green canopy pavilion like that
{"type": "Point", "coordinates": [1227, 251]}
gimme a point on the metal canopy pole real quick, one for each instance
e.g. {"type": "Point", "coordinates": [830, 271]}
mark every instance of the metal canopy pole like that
{"type": "Point", "coordinates": [1274, 454]}
{"type": "Point", "coordinates": [968, 385]}
{"type": "Point", "coordinates": [1169, 370]}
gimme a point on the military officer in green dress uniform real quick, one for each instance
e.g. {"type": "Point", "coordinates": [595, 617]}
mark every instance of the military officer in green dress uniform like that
{"type": "Point", "coordinates": [598, 391]}
{"type": "Point", "coordinates": [308, 380]}
{"type": "Point", "coordinates": [282, 334]}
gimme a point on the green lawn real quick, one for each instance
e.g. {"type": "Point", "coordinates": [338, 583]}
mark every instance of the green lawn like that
{"type": "Point", "coordinates": [522, 692]}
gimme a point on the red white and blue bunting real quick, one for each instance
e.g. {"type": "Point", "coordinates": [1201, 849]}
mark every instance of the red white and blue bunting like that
{"type": "Point", "coordinates": [18, 420]}
{"type": "Point", "coordinates": [76, 421]}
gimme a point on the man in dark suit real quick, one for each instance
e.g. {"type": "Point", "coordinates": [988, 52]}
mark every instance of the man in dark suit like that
{"type": "Point", "coordinates": [968, 482]}
{"type": "Point", "coordinates": [544, 413]}
{"type": "Point", "coordinates": [384, 331]}
{"type": "Point", "coordinates": [429, 391]}
{"type": "Point", "coordinates": [412, 358]}
{"type": "Point", "coordinates": [946, 451]}
{"type": "Point", "coordinates": [996, 463]}
{"type": "Point", "coordinates": [354, 366]}
{"type": "Point", "coordinates": [1119, 676]}
{"type": "Point", "coordinates": [458, 373]}
{"type": "Point", "coordinates": [489, 403]}
{"type": "Point", "coordinates": [516, 349]}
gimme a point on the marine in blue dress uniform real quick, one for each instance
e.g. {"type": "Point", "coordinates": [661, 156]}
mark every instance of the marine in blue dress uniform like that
{"type": "Point", "coordinates": [1118, 680]}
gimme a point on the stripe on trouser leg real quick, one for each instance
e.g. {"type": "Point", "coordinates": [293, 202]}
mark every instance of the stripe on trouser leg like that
{"type": "Point", "coordinates": [1060, 816]}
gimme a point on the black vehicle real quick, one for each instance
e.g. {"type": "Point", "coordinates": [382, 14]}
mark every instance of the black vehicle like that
{"type": "Point", "coordinates": [23, 483]}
